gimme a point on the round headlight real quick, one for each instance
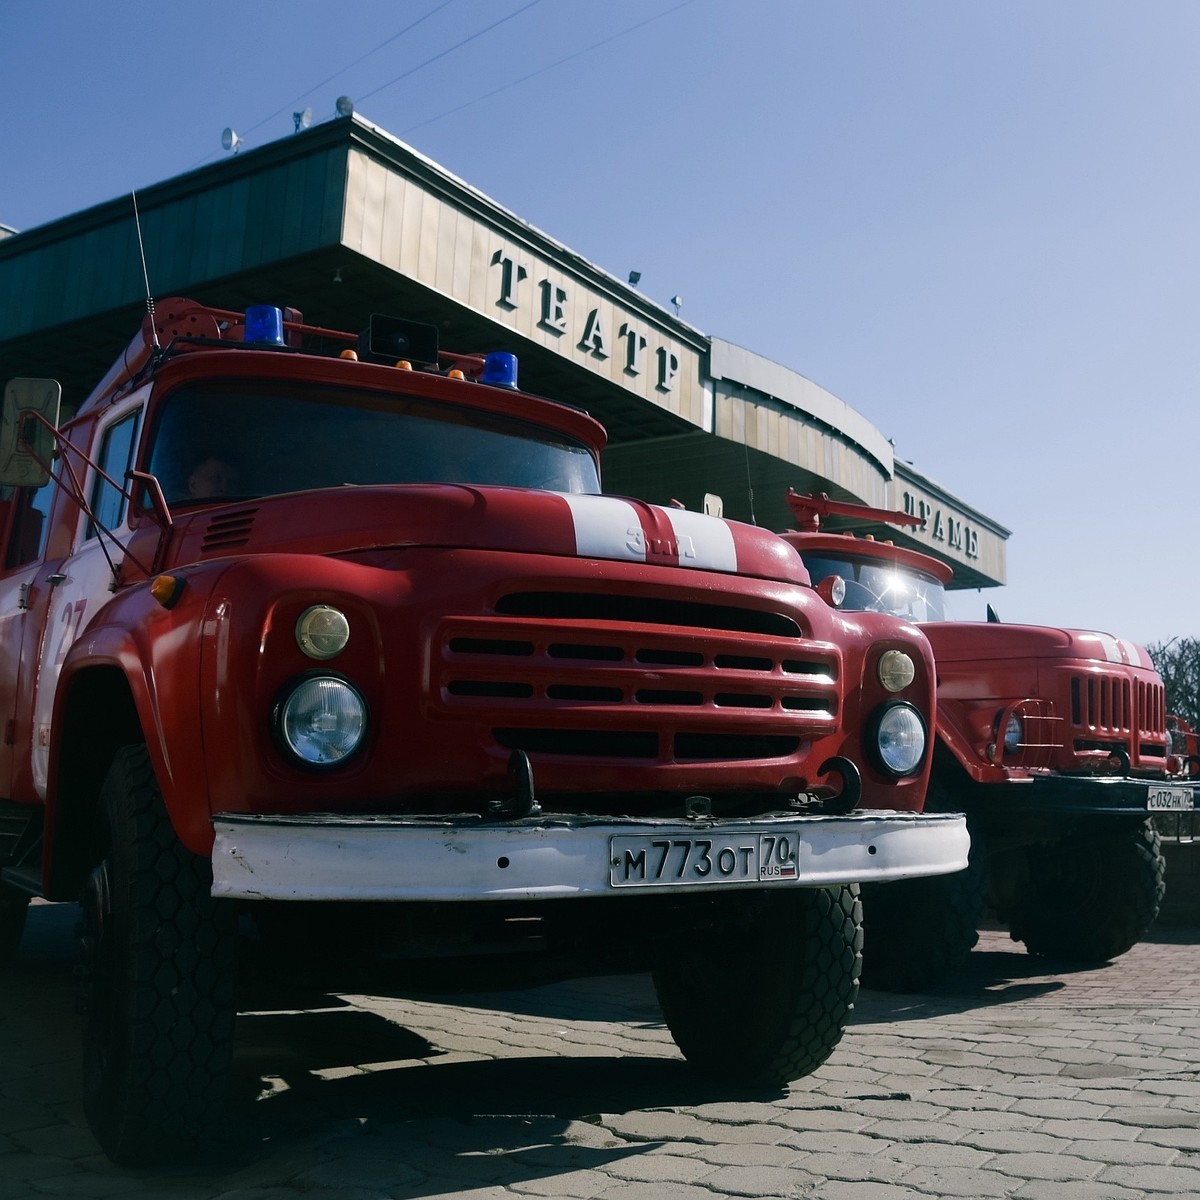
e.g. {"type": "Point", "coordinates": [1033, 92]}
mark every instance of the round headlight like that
{"type": "Point", "coordinates": [899, 739]}
{"type": "Point", "coordinates": [322, 721]}
{"type": "Point", "coordinates": [322, 632]}
{"type": "Point", "coordinates": [1014, 733]}
{"type": "Point", "coordinates": [832, 589]}
{"type": "Point", "coordinates": [896, 670]}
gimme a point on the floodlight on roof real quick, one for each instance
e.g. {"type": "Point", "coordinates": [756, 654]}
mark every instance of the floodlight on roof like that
{"type": "Point", "coordinates": [635, 277]}
{"type": "Point", "coordinates": [230, 140]}
{"type": "Point", "coordinates": [344, 106]}
{"type": "Point", "coordinates": [303, 119]}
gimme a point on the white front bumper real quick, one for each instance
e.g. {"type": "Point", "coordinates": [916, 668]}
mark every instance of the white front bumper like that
{"type": "Point", "coordinates": [332, 857]}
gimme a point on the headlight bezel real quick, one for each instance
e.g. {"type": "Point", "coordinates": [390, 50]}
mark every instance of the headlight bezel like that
{"type": "Point", "coordinates": [875, 750]}
{"type": "Point", "coordinates": [285, 740]}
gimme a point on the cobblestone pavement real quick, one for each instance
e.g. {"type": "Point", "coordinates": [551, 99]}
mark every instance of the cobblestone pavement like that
{"type": "Point", "coordinates": [1020, 1080]}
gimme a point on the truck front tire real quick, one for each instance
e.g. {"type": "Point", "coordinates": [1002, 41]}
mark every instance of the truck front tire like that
{"type": "Point", "coordinates": [157, 979]}
{"type": "Point", "coordinates": [763, 1003]}
{"type": "Point", "coordinates": [1090, 898]}
{"type": "Point", "coordinates": [916, 932]}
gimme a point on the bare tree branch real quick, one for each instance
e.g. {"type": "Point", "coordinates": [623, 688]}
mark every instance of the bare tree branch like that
{"type": "Point", "coordinates": [1178, 662]}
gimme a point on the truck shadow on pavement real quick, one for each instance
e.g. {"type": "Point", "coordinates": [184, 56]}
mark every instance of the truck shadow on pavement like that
{"type": "Point", "coordinates": [280, 1096]}
{"type": "Point", "coordinates": [362, 1093]}
{"type": "Point", "coordinates": [298, 1075]}
{"type": "Point", "coordinates": [334, 1095]}
{"type": "Point", "coordinates": [993, 975]}
{"type": "Point", "coordinates": [349, 1096]}
{"type": "Point", "coordinates": [988, 977]}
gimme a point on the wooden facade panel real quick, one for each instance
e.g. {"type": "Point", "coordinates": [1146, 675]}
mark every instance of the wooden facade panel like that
{"type": "Point", "coordinates": [375, 189]}
{"type": "Point", "coordinates": [392, 220]}
{"type": "Point", "coordinates": [410, 243]}
{"type": "Point", "coordinates": [355, 201]}
{"type": "Point", "coordinates": [427, 241]}
{"type": "Point", "coordinates": [444, 275]}
{"type": "Point", "coordinates": [783, 433]}
{"type": "Point", "coordinates": [481, 254]}
{"type": "Point", "coordinates": [462, 258]}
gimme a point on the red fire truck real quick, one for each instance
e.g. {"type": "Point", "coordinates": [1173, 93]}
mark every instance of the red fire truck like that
{"type": "Point", "coordinates": [1054, 742]}
{"type": "Point", "coordinates": [328, 646]}
{"type": "Point", "coordinates": [1184, 742]}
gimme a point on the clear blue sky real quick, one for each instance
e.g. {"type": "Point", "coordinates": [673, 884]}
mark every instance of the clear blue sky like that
{"type": "Point", "coordinates": [974, 221]}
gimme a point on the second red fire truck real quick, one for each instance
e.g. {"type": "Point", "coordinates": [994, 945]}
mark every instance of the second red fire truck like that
{"type": "Point", "coordinates": [1055, 744]}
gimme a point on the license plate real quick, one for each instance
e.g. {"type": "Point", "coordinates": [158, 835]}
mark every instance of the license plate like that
{"type": "Point", "coordinates": [1170, 799]}
{"type": "Point", "coordinates": [648, 861]}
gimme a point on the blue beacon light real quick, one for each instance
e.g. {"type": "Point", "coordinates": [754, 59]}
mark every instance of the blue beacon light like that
{"type": "Point", "coordinates": [264, 325]}
{"type": "Point", "coordinates": [500, 369]}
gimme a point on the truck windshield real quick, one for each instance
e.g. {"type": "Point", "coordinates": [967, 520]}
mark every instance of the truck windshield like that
{"type": "Point", "coordinates": [874, 586]}
{"type": "Point", "coordinates": [240, 440]}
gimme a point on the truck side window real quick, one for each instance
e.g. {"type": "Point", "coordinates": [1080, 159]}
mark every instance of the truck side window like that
{"type": "Point", "coordinates": [30, 524]}
{"type": "Point", "coordinates": [116, 457]}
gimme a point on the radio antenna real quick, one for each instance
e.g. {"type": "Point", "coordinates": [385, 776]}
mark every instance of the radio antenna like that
{"type": "Point", "coordinates": [137, 221]}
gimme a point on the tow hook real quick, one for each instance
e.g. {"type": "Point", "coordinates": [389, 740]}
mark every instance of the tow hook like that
{"type": "Point", "coordinates": [847, 800]}
{"type": "Point", "coordinates": [523, 802]}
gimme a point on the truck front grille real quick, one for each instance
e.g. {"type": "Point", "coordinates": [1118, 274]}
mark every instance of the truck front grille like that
{"type": "Point", "coordinates": [601, 676]}
{"type": "Point", "coordinates": [1113, 713]}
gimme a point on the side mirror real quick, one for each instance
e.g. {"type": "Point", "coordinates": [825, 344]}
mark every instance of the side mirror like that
{"type": "Point", "coordinates": [25, 442]}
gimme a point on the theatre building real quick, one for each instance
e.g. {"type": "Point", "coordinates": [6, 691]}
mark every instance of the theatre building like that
{"type": "Point", "coordinates": [341, 220]}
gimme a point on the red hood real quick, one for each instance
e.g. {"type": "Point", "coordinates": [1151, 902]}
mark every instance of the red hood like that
{"type": "Point", "coordinates": [971, 641]}
{"type": "Point", "coordinates": [344, 520]}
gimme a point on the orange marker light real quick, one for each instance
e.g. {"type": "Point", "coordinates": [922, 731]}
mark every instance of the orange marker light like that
{"type": "Point", "coordinates": [167, 589]}
{"type": "Point", "coordinates": [350, 355]}
{"type": "Point", "coordinates": [403, 365]}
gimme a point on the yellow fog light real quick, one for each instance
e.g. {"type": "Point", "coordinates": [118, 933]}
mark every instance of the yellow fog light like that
{"type": "Point", "coordinates": [896, 670]}
{"type": "Point", "coordinates": [322, 631]}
